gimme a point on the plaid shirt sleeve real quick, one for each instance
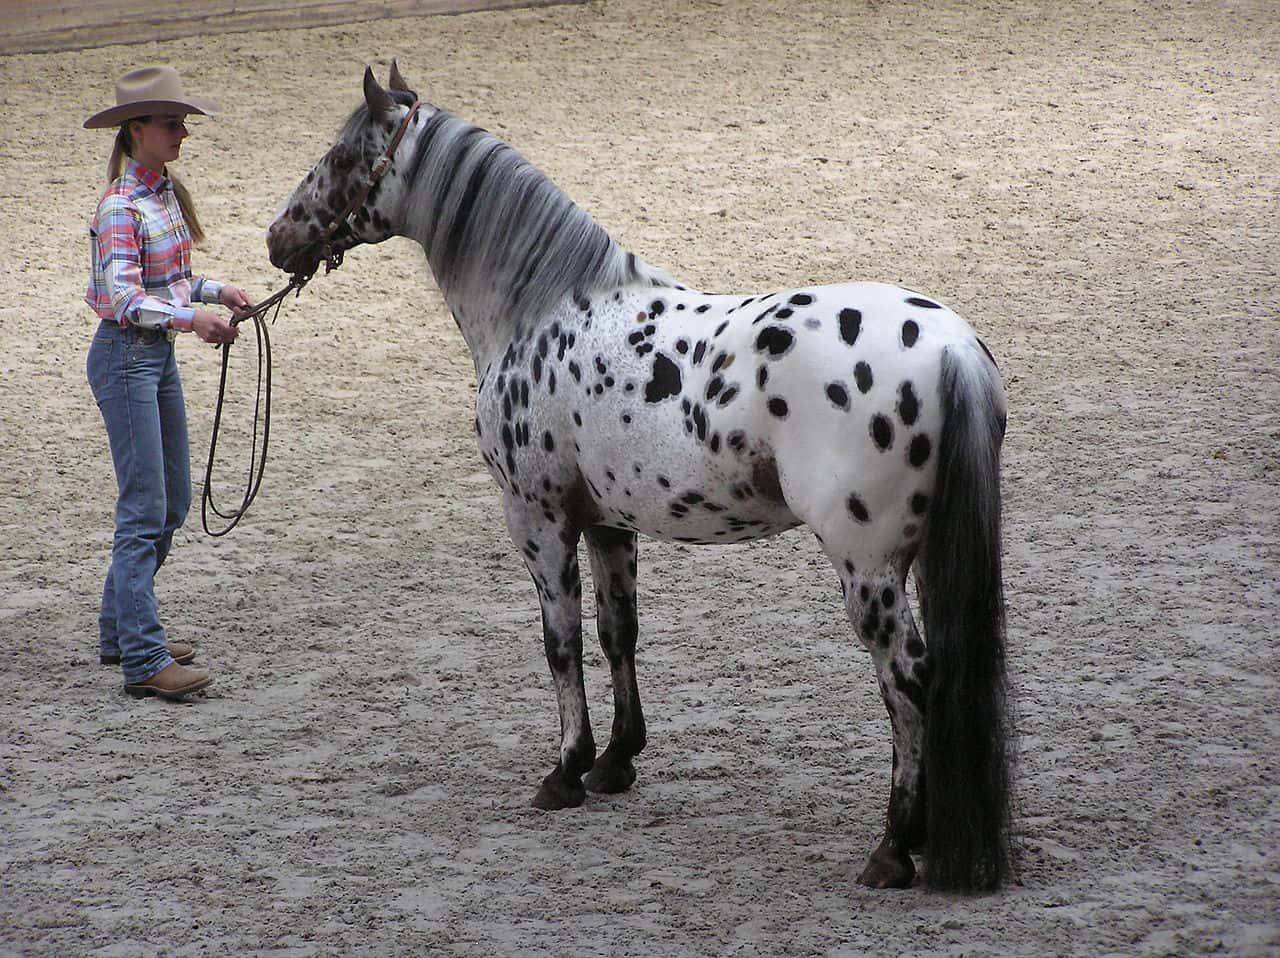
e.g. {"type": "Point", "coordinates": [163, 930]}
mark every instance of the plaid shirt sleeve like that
{"type": "Point", "coordinates": [119, 258]}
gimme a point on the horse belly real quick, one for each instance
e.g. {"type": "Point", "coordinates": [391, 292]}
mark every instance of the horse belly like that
{"type": "Point", "coordinates": [677, 492]}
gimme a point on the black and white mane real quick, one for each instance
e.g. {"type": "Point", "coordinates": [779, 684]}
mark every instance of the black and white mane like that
{"type": "Point", "coordinates": [498, 234]}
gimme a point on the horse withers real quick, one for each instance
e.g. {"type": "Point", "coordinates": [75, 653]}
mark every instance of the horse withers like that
{"type": "Point", "coordinates": [611, 400]}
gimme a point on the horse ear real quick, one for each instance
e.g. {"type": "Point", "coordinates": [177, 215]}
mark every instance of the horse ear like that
{"type": "Point", "coordinates": [380, 103]}
{"type": "Point", "coordinates": [396, 81]}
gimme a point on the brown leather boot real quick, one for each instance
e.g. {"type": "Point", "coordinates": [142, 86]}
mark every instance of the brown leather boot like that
{"type": "Point", "coordinates": [182, 652]}
{"type": "Point", "coordinates": [174, 681]}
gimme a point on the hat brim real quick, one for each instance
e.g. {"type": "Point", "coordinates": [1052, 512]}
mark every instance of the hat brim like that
{"type": "Point", "coordinates": [116, 115]}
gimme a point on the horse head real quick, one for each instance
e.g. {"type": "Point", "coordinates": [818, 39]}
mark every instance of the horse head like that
{"type": "Point", "coordinates": [351, 196]}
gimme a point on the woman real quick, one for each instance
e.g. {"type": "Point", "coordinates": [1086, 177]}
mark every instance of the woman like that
{"type": "Point", "coordinates": [142, 289]}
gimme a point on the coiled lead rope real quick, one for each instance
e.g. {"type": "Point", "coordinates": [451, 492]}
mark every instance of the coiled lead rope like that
{"type": "Point", "coordinates": [261, 412]}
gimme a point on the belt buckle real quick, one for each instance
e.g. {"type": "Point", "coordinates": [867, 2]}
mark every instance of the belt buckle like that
{"type": "Point", "coordinates": [170, 334]}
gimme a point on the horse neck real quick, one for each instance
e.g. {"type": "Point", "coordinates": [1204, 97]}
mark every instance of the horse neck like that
{"type": "Point", "coordinates": [505, 245]}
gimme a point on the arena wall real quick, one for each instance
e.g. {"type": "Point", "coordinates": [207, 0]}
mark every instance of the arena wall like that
{"type": "Point", "coordinates": [40, 26]}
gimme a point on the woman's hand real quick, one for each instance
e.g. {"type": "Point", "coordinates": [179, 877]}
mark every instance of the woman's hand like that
{"type": "Point", "coordinates": [234, 298]}
{"type": "Point", "coordinates": [212, 328]}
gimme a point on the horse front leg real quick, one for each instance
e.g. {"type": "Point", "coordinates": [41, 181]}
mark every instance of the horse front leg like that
{"type": "Point", "coordinates": [613, 571]}
{"type": "Point", "coordinates": [550, 550]}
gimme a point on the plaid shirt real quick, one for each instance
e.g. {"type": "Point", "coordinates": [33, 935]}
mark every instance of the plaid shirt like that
{"type": "Point", "coordinates": [141, 253]}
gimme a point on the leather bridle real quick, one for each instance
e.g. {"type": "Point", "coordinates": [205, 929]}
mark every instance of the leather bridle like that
{"type": "Point", "coordinates": [333, 258]}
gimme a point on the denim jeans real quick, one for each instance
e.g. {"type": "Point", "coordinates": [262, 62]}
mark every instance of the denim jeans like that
{"type": "Point", "coordinates": [134, 377]}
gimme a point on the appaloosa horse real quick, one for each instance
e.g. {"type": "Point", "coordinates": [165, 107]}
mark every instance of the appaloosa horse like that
{"type": "Point", "coordinates": [612, 400]}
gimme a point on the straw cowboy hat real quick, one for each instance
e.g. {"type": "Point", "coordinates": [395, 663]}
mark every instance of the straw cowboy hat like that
{"type": "Point", "coordinates": [149, 91]}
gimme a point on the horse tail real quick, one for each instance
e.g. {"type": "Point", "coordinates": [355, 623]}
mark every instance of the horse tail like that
{"type": "Point", "coordinates": [968, 735]}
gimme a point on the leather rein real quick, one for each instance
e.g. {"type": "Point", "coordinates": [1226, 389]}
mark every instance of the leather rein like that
{"type": "Point", "coordinates": [332, 259]}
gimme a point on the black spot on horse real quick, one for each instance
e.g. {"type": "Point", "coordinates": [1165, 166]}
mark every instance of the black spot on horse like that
{"type": "Point", "coordinates": [703, 308]}
{"type": "Point", "coordinates": [918, 451]}
{"type": "Point", "coordinates": [699, 351]}
{"type": "Point", "coordinates": [910, 333]}
{"type": "Point", "coordinates": [881, 431]}
{"type": "Point", "coordinates": [919, 503]}
{"type": "Point", "coordinates": [762, 377]}
{"type": "Point", "coordinates": [775, 340]}
{"type": "Point", "coordinates": [801, 299]}
{"type": "Point", "coordinates": [862, 376]}
{"type": "Point", "coordinates": [850, 325]}
{"type": "Point", "coordinates": [657, 307]}
{"type": "Point", "coordinates": [714, 387]}
{"type": "Point", "coordinates": [548, 443]}
{"type": "Point", "coordinates": [700, 422]}
{"type": "Point", "coordinates": [666, 381]}
{"type": "Point", "coordinates": [858, 509]}
{"type": "Point", "coordinates": [726, 397]}
{"type": "Point", "coordinates": [922, 303]}
{"type": "Point", "coordinates": [778, 406]}
{"type": "Point", "coordinates": [838, 395]}
{"type": "Point", "coordinates": [908, 404]}
{"type": "Point", "coordinates": [682, 346]}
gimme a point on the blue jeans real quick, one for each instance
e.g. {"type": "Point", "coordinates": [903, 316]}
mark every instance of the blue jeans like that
{"type": "Point", "coordinates": [134, 377]}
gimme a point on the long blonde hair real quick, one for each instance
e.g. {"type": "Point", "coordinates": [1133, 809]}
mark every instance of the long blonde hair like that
{"type": "Point", "coordinates": [123, 147]}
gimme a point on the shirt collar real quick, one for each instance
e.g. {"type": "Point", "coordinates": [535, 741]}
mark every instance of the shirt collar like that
{"type": "Point", "coordinates": [155, 182]}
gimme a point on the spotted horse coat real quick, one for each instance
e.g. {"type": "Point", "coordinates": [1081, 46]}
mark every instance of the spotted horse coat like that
{"type": "Point", "coordinates": [613, 401]}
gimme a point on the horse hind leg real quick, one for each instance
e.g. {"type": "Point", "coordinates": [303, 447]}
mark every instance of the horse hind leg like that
{"type": "Point", "coordinates": [550, 550]}
{"type": "Point", "coordinates": [613, 570]}
{"type": "Point", "coordinates": [878, 608]}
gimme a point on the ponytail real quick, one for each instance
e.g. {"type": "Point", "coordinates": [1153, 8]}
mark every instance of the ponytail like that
{"type": "Point", "coordinates": [188, 207]}
{"type": "Point", "coordinates": [123, 147]}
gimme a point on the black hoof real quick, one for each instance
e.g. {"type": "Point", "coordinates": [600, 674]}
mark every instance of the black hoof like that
{"type": "Point", "coordinates": [556, 793]}
{"type": "Point", "coordinates": [888, 868]}
{"type": "Point", "coordinates": [610, 774]}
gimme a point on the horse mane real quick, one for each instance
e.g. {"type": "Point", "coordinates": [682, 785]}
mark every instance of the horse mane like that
{"type": "Point", "coordinates": [503, 242]}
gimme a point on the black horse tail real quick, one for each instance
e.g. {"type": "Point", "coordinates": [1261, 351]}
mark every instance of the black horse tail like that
{"type": "Point", "coordinates": [968, 736]}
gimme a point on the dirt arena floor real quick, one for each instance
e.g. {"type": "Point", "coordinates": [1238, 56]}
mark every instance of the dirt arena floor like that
{"type": "Point", "coordinates": [1094, 185]}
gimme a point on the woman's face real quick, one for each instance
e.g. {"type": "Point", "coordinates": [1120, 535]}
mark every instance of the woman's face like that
{"type": "Point", "coordinates": [158, 139]}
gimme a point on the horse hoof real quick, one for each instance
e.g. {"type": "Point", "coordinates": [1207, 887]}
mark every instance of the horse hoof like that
{"type": "Point", "coordinates": [888, 870]}
{"type": "Point", "coordinates": [609, 776]}
{"type": "Point", "coordinates": [555, 793]}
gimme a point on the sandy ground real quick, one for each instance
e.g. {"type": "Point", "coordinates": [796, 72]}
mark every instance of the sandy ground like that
{"type": "Point", "coordinates": [1094, 187]}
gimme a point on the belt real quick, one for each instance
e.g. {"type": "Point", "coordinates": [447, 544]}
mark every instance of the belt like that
{"type": "Point", "coordinates": [144, 335]}
{"type": "Point", "coordinates": [149, 337]}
